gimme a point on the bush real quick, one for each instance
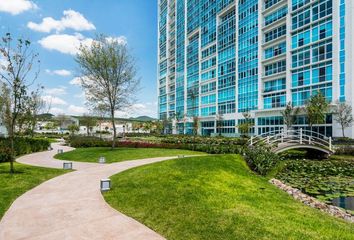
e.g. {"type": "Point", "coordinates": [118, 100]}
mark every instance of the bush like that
{"type": "Point", "coordinates": [85, 142]}
{"type": "Point", "coordinates": [22, 146]}
{"type": "Point", "coordinates": [345, 150]}
{"type": "Point", "coordinates": [261, 159]}
{"type": "Point", "coordinates": [343, 141]}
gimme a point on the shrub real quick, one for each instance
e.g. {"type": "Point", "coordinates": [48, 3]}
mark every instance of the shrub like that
{"type": "Point", "coordinates": [345, 150]}
{"type": "Point", "coordinates": [343, 141]}
{"type": "Point", "coordinates": [22, 146]}
{"type": "Point", "coordinates": [261, 159]}
{"type": "Point", "coordinates": [85, 142]}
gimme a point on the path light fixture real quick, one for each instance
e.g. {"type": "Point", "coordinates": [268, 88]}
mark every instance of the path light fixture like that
{"type": "Point", "coordinates": [105, 184]}
{"type": "Point", "coordinates": [67, 165]}
{"type": "Point", "coordinates": [60, 151]}
{"type": "Point", "coordinates": [102, 160]}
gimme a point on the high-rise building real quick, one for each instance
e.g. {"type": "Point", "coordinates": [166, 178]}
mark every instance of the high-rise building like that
{"type": "Point", "coordinates": [219, 59]}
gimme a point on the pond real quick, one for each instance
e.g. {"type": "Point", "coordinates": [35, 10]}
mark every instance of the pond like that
{"type": "Point", "coordinates": [344, 202]}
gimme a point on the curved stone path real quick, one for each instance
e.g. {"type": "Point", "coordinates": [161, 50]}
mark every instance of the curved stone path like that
{"type": "Point", "coordinates": [71, 206]}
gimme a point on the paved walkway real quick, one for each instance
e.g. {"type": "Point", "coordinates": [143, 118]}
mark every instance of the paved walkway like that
{"type": "Point", "coordinates": [71, 206]}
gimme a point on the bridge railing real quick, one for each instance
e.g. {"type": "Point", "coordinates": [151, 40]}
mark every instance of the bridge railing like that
{"type": "Point", "coordinates": [299, 136]}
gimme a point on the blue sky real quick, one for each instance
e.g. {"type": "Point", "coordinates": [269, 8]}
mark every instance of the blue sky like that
{"type": "Point", "coordinates": [55, 27]}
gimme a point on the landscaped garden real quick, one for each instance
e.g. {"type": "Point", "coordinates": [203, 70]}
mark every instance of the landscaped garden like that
{"type": "Point", "coordinates": [217, 197]}
{"type": "Point", "coordinates": [25, 178]}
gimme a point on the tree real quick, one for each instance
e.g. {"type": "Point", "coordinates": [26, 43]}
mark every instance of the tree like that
{"type": "Point", "coordinates": [108, 76]}
{"type": "Point", "coordinates": [343, 114]}
{"type": "Point", "coordinates": [219, 122]}
{"type": "Point", "coordinates": [101, 111]}
{"type": "Point", "coordinates": [289, 115]}
{"type": "Point", "coordinates": [195, 125]}
{"type": "Point", "coordinates": [147, 126]}
{"type": "Point", "coordinates": [246, 125]}
{"type": "Point", "coordinates": [89, 122]}
{"type": "Point", "coordinates": [73, 128]}
{"type": "Point", "coordinates": [33, 107]}
{"type": "Point", "coordinates": [316, 109]}
{"type": "Point", "coordinates": [62, 118]}
{"type": "Point", "coordinates": [19, 70]}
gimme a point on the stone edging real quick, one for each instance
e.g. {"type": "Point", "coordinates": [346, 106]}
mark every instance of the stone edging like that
{"type": "Point", "coordinates": [313, 202]}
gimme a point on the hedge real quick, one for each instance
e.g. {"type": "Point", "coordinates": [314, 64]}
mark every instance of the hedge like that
{"type": "Point", "coordinates": [215, 148]}
{"type": "Point", "coordinates": [22, 146]}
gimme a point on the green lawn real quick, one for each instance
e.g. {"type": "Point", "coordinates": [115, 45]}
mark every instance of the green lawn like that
{"type": "Point", "coordinates": [25, 178]}
{"type": "Point", "coordinates": [217, 197]}
{"type": "Point", "coordinates": [120, 154]}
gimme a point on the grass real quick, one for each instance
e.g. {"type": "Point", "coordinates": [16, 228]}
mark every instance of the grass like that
{"type": "Point", "coordinates": [24, 179]}
{"type": "Point", "coordinates": [120, 154]}
{"type": "Point", "coordinates": [217, 197]}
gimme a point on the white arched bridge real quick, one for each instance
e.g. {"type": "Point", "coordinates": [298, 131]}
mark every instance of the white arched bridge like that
{"type": "Point", "coordinates": [294, 139]}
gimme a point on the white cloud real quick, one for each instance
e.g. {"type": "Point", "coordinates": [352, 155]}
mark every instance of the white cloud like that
{"type": "Point", "coordinates": [60, 72]}
{"type": "Point", "coordinates": [56, 91]}
{"type": "Point", "coordinates": [76, 81]}
{"type": "Point", "coordinates": [77, 110]}
{"type": "Point", "coordinates": [56, 111]}
{"type": "Point", "coordinates": [70, 44]}
{"type": "Point", "coordinates": [64, 43]}
{"type": "Point", "coordinates": [139, 109]}
{"type": "Point", "coordinates": [52, 100]}
{"type": "Point", "coordinates": [15, 7]}
{"type": "Point", "coordinates": [71, 20]}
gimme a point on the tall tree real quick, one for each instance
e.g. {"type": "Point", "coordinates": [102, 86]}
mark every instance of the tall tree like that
{"type": "Point", "coordinates": [289, 115]}
{"type": "Point", "coordinates": [108, 76]}
{"type": "Point", "coordinates": [316, 109]}
{"type": "Point", "coordinates": [19, 70]}
{"type": "Point", "coordinates": [343, 114]}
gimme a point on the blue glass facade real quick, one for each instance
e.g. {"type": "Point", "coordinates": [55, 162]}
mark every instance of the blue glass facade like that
{"type": "Point", "coordinates": [227, 57]}
{"type": "Point", "coordinates": [247, 55]}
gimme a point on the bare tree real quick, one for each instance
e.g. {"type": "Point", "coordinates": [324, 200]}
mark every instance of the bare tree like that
{"type": "Point", "coordinates": [19, 71]}
{"type": "Point", "coordinates": [343, 114]}
{"type": "Point", "coordinates": [108, 76]}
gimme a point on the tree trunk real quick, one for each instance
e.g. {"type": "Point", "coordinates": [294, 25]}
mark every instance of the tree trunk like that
{"type": "Point", "coordinates": [114, 131]}
{"type": "Point", "coordinates": [12, 133]}
{"type": "Point", "coordinates": [343, 132]}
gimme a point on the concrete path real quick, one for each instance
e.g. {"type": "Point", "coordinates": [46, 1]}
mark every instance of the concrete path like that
{"type": "Point", "coordinates": [71, 206]}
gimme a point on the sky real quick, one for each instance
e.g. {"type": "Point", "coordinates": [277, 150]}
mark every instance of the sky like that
{"type": "Point", "coordinates": [57, 27]}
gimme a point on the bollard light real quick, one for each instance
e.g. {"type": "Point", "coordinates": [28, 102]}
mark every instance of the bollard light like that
{"type": "Point", "coordinates": [60, 151]}
{"type": "Point", "coordinates": [105, 184]}
{"type": "Point", "coordinates": [102, 160]}
{"type": "Point", "coordinates": [67, 165]}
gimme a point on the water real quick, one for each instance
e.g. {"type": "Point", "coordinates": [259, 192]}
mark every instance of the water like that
{"type": "Point", "coordinates": [344, 202]}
